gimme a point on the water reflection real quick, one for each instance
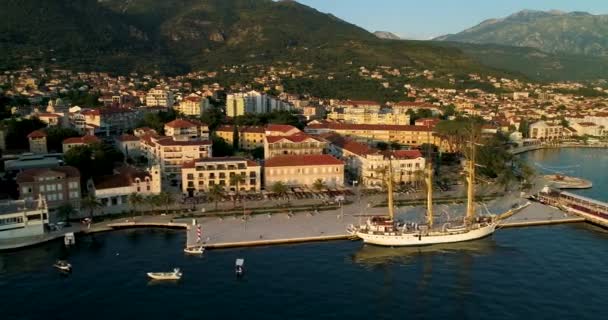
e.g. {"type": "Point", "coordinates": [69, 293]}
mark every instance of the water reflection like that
{"type": "Point", "coordinates": [375, 255]}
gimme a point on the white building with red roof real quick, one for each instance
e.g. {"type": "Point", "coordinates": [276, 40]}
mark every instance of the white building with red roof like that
{"type": "Point", "coordinates": [187, 129]}
{"type": "Point", "coordinates": [364, 163]}
{"type": "Point", "coordinates": [296, 144]}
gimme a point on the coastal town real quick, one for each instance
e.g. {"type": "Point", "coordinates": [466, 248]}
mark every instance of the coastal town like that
{"type": "Point", "coordinates": [190, 141]}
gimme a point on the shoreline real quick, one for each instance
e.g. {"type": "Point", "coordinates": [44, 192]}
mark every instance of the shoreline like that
{"type": "Point", "coordinates": [537, 215]}
{"type": "Point", "coordinates": [525, 149]}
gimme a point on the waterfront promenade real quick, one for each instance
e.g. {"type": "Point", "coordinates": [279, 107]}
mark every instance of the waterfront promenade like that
{"type": "Point", "coordinates": [303, 226]}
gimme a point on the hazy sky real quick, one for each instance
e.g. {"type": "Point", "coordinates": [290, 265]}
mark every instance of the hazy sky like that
{"type": "Point", "coordinates": [423, 19]}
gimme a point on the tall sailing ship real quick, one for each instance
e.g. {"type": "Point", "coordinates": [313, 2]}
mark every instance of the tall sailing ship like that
{"type": "Point", "coordinates": [386, 231]}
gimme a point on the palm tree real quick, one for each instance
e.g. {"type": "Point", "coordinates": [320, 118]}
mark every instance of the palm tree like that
{"type": "Point", "coordinates": [419, 176]}
{"type": "Point", "coordinates": [135, 200]}
{"type": "Point", "coordinates": [318, 185]}
{"type": "Point", "coordinates": [236, 181]}
{"type": "Point", "coordinates": [166, 199]}
{"type": "Point", "coordinates": [154, 201]}
{"type": "Point", "coordinates": [90, 203]}
{"type": "Point", "coordinates": [215, 194]}
{"type": "Point", "coordinates": [280, 189]}
{"type": "Point", "coordinates": [65, 211]}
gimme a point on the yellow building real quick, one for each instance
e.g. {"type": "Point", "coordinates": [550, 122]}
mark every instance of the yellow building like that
{"type": "Point", "coordinates": [372, 134]}
{"type": "Point", "coordinates": [192, 106]}
{"type": "Point", "coordinates": [250, 137]}
{"type": "Point", "coordinates": [297, 144]}
{"type": "Point", "coordinates": [387, 117]}
{"type": "Point", "coordinates": [303, 170]}
{"type": "Point", "coordinates": [200, 175]}
{"type": "Point", "coordinates": [235, 105]}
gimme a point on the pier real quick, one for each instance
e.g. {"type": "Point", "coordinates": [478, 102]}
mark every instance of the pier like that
{"type": "Point", "coordinates": [289, 228]}
{"type": "Point", "coordinates": [591, 210]}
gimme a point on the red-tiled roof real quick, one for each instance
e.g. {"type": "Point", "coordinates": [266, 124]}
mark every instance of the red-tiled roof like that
{"type": "Point", "coordinates": [407, 154]}
{"type": "Point", "coordinates": [81, 140]}
{"type": "Point", "coordinates": [359, 103]}
{"type": "Point", "coordinates": [183, 123]}
{"type": "Point", "coordinates": [302, 160]}
{"type": "Point", "coordinates": [31, 174]}
{"type": "Point", "coordinates": [414, 104]}
{"type": "Point", "coordinates": [280, 127]}
{"type": "Point", "coordinates": [48, 115]}
{"type": "Point", "coordinates": [299, 137]}
{"type": "Point", "coordinates": [379, 127]}
{"type": "Point", "coordinates": [37, 134]}
{"type": "Point", "coordinates": [168, 141]}
{"type": "Point", "coordinates": [127, 137]}
{"type": "Point", "coordinates": [348, 144]}
{"type": "Point", "coordinates": [192, 164]}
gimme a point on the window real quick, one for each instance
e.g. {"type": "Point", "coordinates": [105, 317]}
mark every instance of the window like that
{"type": "Point", "coordinates": [73, 194]}
{"type": "Point", "coordinates": [60, 196]}
{"type": "Point", "coordinates": [26, 190]}
{"type": "Point", "coordinates": [59, 187]}
{"type": "Point", "coordinates": [41, 188]}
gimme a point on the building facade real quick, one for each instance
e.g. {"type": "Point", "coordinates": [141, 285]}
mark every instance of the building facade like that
{"type": "Point", "coordinates": [192, 106]}
{"type": "Point", "coordinates": [187, 129]}
{"type": "Point", "coordinates": [303, 170]}
{"type": "Point", "coordinates": [58, 186]}
{"type": "Point", "coordinates": [19, 219]}
{"type": "Point", "coordinates": [70, 143]}
{"type": "Point", "coordinates": [37, 141]}
{"type": "Point", "coordinates": [202, 174]}
{"type": "Point", "coordinates": [544, 131]}
{"type": "Point", "coordinates": [159, 98]}
{"type": "Point", "coordinates": [250, 137]}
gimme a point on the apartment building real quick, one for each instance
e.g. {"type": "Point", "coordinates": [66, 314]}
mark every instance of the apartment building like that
{"type": "Point", "coordinates": [171, 154]}
{"type": "Point", "coordinates": [187, 129]}
{"type": "Point", "coordinates": [200, 175]}
{"type": "Point", "coordinates": [371, 134]}
{"type": "Point", "coordinates": [58, 185]}
{"type": "Point", "coordinates": [296, 144]}
{"type": "Point", "coordinates": [304, 170]}
{"type": "Point", "coordinates": [249, 137]}
{"type": "Point", "coordinates": [404, 106]}
{"type": "Point", "coordinates": [192, 105]}
{"type": "Point", "coordinates": [106, 121]}
{"type": "Point", "coordinates": [238, 104]}
{"type": "Point", "coordinates": [19, 219]}
{"type": "Point", "coordinates": [159, 98]}
{"type": "Point", "coordinates": [544, 131]}
{"type": "Point", "coordinates": [366, 164]}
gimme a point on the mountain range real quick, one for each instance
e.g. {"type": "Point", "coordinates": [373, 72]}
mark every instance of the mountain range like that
{"type": "Point", "coordinates": [577, 33]}
{"type": "Point", "coordinates": [176, 36]}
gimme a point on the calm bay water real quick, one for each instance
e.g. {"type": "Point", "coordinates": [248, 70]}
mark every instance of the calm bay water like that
{"type": "Point", "coordinates": [591, 164]}
{"type": "Point", "coordinates": [556, 272]}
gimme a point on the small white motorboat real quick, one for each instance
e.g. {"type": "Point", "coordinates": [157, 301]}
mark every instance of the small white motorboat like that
{"type": "Point", "coordinates": [239, 267]}
{"type": "Point", "coordinates": [175, 275]}
{"type": "Point", "coordinates": [63, 265]}
{"type": "Point", "coordinates": [194, 250]}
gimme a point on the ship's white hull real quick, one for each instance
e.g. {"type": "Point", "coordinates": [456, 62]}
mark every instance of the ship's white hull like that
{"type": "Point", "coordinates": [164, 276]}
{"type": "Point", "coordinates": [415, 239]}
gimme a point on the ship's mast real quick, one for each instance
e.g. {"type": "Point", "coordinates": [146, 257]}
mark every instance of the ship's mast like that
{"type": "Point", "coordinates": [429, 194]}
{"type": "Point", "coordinates": [389, 188]}
{"type": "Point", "coordinates": [429, 182]}
{"type": "Point", "coordinates": [471, 183]}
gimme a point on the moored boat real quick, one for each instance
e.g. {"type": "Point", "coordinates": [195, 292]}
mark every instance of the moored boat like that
{"type": "Point", "coordinates": [194, 250]}
{"type": "Point", "coordinates": [175, 275]}
{"type": "Point", "coordinates": [63, 265]}
{"type": "Point", "coordinates": [239, 267]}
{"type": "Point", "coordinates": [385, 231]}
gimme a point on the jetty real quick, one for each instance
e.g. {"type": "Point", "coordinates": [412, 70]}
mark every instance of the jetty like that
{"type": "Point", "coordinates": [593, 211]}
